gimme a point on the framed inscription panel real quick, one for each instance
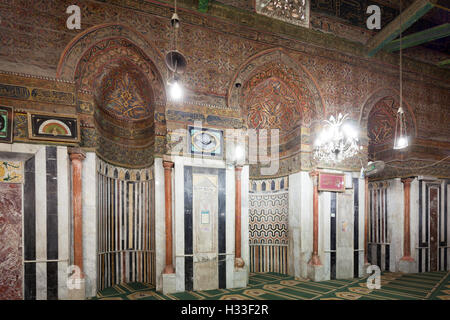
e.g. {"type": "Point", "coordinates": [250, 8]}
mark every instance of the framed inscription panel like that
{"type": "Point", "coordinates": [52, 127]}
{"type": "Point", "coordinates": [334, 182]}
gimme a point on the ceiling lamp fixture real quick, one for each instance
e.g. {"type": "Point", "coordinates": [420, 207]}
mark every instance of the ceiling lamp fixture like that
{"type": "Point", "coordinates": [175, 61]}
{"type": "Point", "coordinates": [400, 137]}
{"type": "Point", "coordinates": [337, 141]}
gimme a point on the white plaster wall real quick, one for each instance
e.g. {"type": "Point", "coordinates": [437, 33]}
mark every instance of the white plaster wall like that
{"type": "Point", "coordinates": [395, 221]}
{"type": "Point", "coordinates": [230, 227]}
{"type": "Point", "coordinates": [245, 248]}
{"type": "Point", "coordinates": [362, 224]}
{"type": "Point", "coordinates": [325, 211]}
{"type": "Point", "coordinates": [294, 224]}
{"type": "Point", "coordinates": [344, 235]}
{"type": "Point", "coordinates": [41, 224]}
{"type": "Point", "coordinates": [179, 222]}
{"type": "Point", "coordinates": [160, 237]}
{"type": "Point", "coordinates": [64, 206]}
{"type": "Point", "coordinates": [414, 221]}
{"type": "Point", "coordinates": [89, 211]}
{"type": "Point", "coordinates": [306, 223]}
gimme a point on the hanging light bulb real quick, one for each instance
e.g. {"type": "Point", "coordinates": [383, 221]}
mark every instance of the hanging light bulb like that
{"type": "Point", "coordinates": [175, 61]}
{"type": "Point", "coordinates": [400, 138]}
{"type": "Point", "coordinates": [175, 88]}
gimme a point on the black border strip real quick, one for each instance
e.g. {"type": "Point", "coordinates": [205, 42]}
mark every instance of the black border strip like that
{"type": "Point", "coordinates": [29, 232]}
{"type": "Point", "coordinates": [188, 240]}
{"type": "Point", "coordinates": [52, 222]}
{"type": "Point", "coordinates": [333, 235]}
{"type": "Point", "coordinates": [356, 227]}
{"type": "Point", "coordinates": [222, 240]}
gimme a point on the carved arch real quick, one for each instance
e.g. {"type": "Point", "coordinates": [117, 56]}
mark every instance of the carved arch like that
{"type": "Point", "coordinates": [378, 119]}
{"type": "Point", "coordinates": [118, 52]}
{"type": "Point", "coordinates": [275, 63]}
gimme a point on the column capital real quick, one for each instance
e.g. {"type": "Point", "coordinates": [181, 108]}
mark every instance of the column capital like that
{"type": "Point", "coordinates": [314, 176]}
{"type": "Point", "coordinates": [237, 172]}
{"type": "Point", "coordinates": [76, 154]}
{"type": "Point", "coordinates": [407, 181]}
{"type": "Point", "coordinates": [168, 164]}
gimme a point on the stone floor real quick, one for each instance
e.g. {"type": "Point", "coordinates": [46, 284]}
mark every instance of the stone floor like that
{"type": "Point", "coordinates": [273, 286]}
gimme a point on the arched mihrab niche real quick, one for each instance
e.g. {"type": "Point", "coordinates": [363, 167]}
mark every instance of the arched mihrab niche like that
{"type": "Point", "coordinates": [124, 92]}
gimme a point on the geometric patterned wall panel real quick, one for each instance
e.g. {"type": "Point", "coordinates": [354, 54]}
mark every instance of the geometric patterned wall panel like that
{"type": "Point", "coordinates": [268, 231]}
{"type": "Point", "coordinates": [269, 218]}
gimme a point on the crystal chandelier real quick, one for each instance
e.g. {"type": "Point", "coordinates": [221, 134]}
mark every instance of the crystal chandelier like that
{"type": "Point", "coordinates": [337, 141]}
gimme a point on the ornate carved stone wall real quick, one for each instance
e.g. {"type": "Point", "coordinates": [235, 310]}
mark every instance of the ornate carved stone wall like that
{"type": "Point", "coordinates": [216, 47]}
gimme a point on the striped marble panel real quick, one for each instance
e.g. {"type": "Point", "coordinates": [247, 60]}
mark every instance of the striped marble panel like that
{"type": "Point", "coordinates": [268, 258]}
{"type": "Point", "coordinates": [437, 192]}
{"type": "Point", "coordinates": [379, 242]}
{"type": "Point", "coordinates": [45, 223]}
{"type": "Point", "coordinates": [126, 227]}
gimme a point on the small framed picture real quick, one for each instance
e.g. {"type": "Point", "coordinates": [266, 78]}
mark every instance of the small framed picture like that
{"type": "Point", "coordinates": [205, 141]}
{"type": "Point", "coordinates": [52, 127]}
{"type": "Point", "coordinates": [6, 124]}
{"type": "Point", "coordinates": [331, 182]}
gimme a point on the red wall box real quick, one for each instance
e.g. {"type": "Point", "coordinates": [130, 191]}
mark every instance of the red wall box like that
{"type": "Point", "coordinates": [331, 182]}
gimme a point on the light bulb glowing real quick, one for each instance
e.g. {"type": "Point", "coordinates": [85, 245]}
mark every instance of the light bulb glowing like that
{"type": "Point", "coordinates": [336, 141]}
{"type": "Point", "coordinates": [176, 91]}
{"type": "Point", "coordinates": [402, 142]}
{"type": "Point", "coordinates": [239, 153]}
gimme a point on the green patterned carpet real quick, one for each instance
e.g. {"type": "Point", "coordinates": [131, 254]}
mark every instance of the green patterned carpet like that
{"type": "Point", "coordinates": [273, 286]}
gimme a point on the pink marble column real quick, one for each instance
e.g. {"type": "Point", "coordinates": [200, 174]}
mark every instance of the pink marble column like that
{"type": "Point", "coordinates": [238, 261]}
{"type": "Point", "coordinates": [406, 229]}
{"type": "Point", "coordinates": [77, 156]}
{"type": "Point", "coordinates": [315, 259]}
{"type": "Point", "coordinates": [168, 165]}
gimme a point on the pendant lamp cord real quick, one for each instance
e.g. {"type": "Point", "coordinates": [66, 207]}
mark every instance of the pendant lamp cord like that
{"type": "Point", "coordinates": [401, 68]}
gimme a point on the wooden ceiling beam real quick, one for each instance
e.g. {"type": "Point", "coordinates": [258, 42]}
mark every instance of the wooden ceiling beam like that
{"type": "Point", "coordinates": [444, 63]}
{"type": "Point", "coordinates": [418, 38]}
{"type": "Point", "coordinates": [410, 15]}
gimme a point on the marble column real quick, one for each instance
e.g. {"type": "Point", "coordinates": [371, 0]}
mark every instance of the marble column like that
{"type": "Point", "coordinates": [316, 270]}
{"type": "Point", "coordinates": [238, 261]}
{"type": "Point", "coordinates": [77, 156]}
{"type": "Point", "coordinates": [315, 259]}
{"type": "Point", "coordinates": [77, 291]}
{"type": "Point", "coordinates": [407, 263]}
{"type": "Point", "coordinates": [168, 165]}
{"type": "Point", "coordinates": [366, 220]}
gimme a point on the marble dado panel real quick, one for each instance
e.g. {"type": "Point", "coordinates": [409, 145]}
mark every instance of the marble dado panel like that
{"type": "Point", "coordinates": [11, 275]}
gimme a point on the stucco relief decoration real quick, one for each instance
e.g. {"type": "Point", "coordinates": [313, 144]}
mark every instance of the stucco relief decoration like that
{"type": "Point", "coordinates": [275, 100]}
{"type": "Point", "coordinates": [292, 11]}
{"type": "Point", "coordinates": [125, 92]}
{"type": "Point", "coordinates": [381, 122]}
